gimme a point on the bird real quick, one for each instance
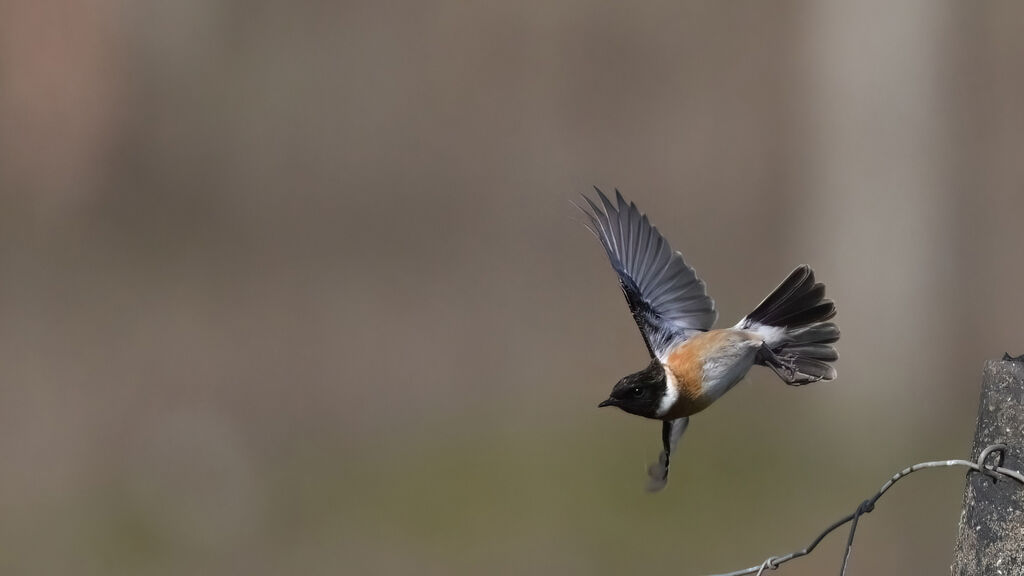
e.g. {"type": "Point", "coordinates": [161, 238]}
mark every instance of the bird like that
{"type": "Point", "coordinates": [691, 364]}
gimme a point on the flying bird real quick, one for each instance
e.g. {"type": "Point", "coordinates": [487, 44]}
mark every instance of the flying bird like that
{"type": "Point", "coordinates": [691, 364]}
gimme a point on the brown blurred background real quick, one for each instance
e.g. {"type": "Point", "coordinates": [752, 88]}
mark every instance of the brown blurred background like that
{"type": "Point", "coordinates": [297, 288]}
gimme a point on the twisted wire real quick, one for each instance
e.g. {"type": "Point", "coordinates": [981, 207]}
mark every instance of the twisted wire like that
{"type": "Point", "coordinates": [996, 473]}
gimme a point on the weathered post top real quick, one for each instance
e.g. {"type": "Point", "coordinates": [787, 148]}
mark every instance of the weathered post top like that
{"type": "Point", "coordinates": [991, 539]}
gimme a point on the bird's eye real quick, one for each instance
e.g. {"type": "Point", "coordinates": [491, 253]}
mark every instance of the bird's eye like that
{"type": "Point", "coordinates": [637, 391]}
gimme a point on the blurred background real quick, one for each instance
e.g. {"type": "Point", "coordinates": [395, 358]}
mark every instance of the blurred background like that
{"type": "Point", "coordinates": [297, 287]}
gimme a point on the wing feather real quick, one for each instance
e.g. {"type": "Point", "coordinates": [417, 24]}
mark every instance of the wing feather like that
{"type": "Point", "coordinates": [668, 301]}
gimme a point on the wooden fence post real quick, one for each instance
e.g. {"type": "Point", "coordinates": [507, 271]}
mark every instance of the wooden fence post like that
{"type": "Point", "coordinates": [991, 539]}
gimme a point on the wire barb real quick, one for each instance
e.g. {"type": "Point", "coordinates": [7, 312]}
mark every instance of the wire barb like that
{"type": "Point", "coordinates": [1001, 449]}
{"type": "Point", "coordinates": [996, 473]}
{"type": "Point", "coordinates": [769, 563]}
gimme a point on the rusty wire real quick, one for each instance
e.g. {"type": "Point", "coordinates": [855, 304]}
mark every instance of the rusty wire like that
{"type": "Point", "coordinates": [995, 472]}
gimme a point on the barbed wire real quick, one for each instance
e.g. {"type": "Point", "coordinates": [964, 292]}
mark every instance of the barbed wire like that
{"type": "Point", "coordinates": [995, 472]}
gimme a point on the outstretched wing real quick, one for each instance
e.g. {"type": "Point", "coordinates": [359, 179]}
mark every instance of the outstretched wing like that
{"type": "Point", "coordinates": [668, 301]}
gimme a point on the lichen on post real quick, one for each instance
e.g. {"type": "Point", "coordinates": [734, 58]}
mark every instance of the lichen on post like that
{"type": "Point", "coordinates": [991, 538]}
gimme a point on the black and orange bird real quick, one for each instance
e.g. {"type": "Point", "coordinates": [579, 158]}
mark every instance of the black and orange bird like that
{"type": "Point", "coordinates": [692, 365]}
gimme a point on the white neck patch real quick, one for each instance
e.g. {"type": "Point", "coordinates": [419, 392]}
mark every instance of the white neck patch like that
{"type": "Point", "coordinates": [671, 393]}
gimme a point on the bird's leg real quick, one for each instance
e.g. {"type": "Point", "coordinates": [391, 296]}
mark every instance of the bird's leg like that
{"type": "Point", "coordinates": [784, 367]}
{"type": "Point", "coordinates": [768, 357]}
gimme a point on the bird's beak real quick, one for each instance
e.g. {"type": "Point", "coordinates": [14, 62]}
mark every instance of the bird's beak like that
{"type": "Point", "coordinates": [609, 402]}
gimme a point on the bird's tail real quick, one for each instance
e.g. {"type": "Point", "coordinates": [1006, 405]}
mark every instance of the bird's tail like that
{"type": "Point", "coordinates": [793, 321]}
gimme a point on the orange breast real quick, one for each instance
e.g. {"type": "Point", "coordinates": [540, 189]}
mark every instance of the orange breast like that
{"type": "Point", "coordinates": [687, 364]}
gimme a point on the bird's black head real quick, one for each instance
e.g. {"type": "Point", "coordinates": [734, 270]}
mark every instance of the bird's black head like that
{"type": "Point", "coordinates": [640, 393]}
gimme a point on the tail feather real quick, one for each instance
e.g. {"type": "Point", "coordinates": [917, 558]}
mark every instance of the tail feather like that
{"type": "Point", "coordinates": [820, 312]}
{"type": "Point", "coordinates": [799, 281]}
{"type": "Point", "coordinates": [823, 333]}
{"type": "Point", "coordinates": [793, 321]}
{"type": "Point", "coordinates": [822, 352]}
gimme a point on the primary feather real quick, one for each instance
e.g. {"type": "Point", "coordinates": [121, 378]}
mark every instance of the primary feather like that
{"type": "Point", "coordinates": [668, 301]}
